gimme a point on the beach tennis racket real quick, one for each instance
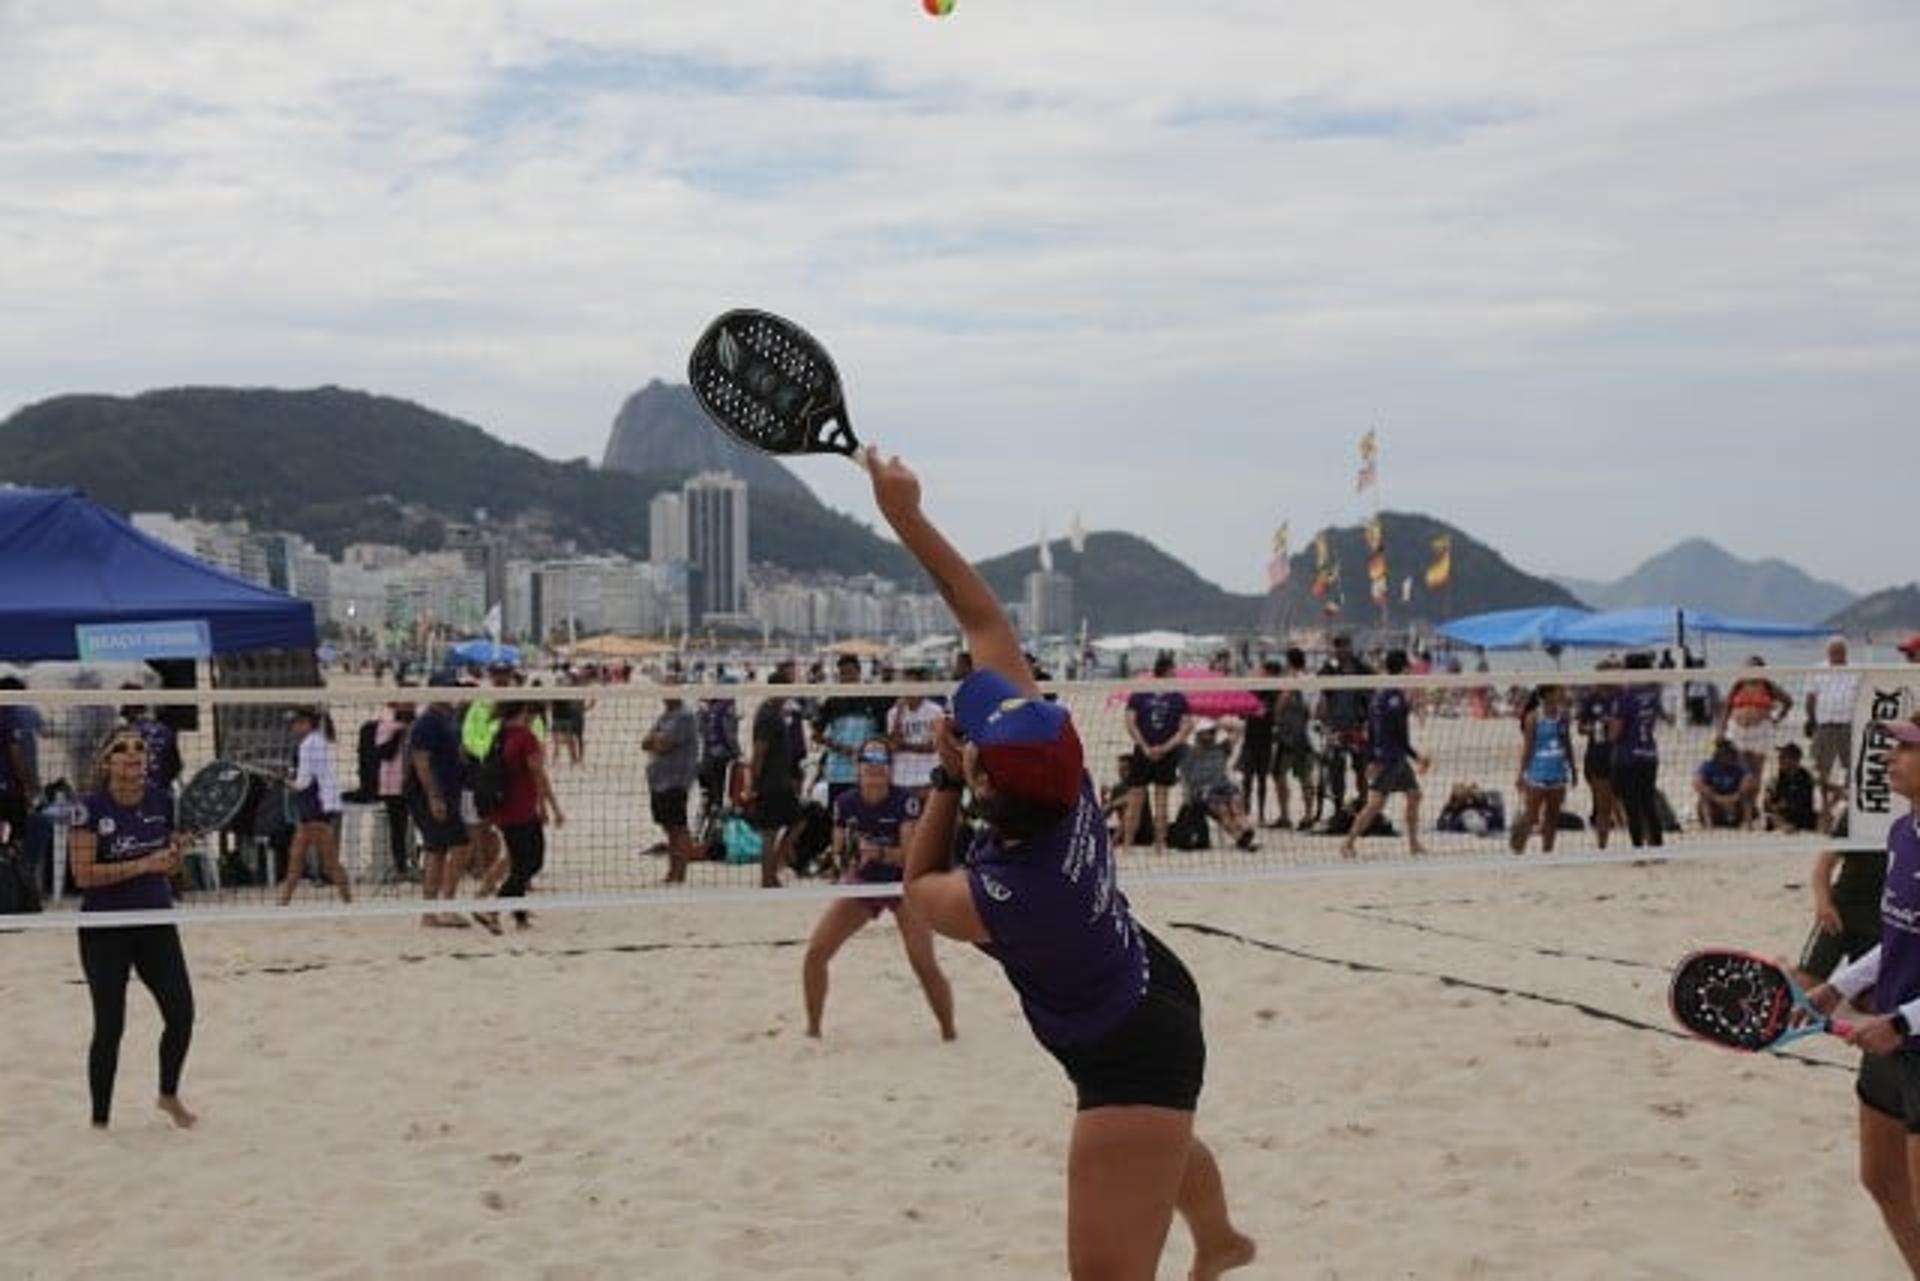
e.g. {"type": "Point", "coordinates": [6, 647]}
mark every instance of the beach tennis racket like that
{"type": "Point", "coordinates": [213, 798]}
{"type": "Point", "coordinates": [1744, 1002]}
{"type": "Point", "coordinates": [770, 384]}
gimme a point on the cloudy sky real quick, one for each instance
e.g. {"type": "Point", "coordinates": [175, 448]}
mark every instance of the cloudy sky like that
{"type": "Point", "coordinates": [1603, 273]}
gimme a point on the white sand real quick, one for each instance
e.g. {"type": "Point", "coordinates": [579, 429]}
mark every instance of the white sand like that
{"type": "Point", "coordinates": [381, 1101]}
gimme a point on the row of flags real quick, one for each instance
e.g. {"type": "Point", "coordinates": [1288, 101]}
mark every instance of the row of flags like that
{"type": "Point", "coordinates": [1326, 573]}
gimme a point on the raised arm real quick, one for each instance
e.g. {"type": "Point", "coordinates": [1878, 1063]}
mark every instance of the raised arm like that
{"type": "Point", "coordinates": [990, 637]}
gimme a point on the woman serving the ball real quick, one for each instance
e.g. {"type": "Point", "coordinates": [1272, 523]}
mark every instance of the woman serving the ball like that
{"type": "Point", "coordinates": [1105, 997]}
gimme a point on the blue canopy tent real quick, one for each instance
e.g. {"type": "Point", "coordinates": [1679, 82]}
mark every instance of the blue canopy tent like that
{"type": "Point", "coordinates": [1616, 629]}
{"type": "Point", "coordinates": [65, 561]}
{"type": "Point", "coordinates": [1512, 628]}
{"type": "Point", "coordinates": [482, 650]}
{"type": "Point", "coordinates": [1667, 624]}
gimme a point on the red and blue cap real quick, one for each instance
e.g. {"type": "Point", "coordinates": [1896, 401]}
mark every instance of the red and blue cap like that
{"type": "Point", "coordinates": [1027, 745]}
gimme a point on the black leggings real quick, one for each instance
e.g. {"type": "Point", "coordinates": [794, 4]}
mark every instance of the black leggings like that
{"type": "Point", "coordinates": [153, 952]}
{"type": "Point", "coordinates": [396, 831]}
{"type": "Point", "coordinates": [1635, 783]}
{"type": "Point", "coordinates": [527, 848]}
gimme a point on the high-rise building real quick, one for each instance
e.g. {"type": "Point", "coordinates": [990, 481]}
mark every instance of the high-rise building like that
{"type": "Point", "coordinates": [715, 505]}
{"type": "Point", "coordinates": [1049, 604]}
{"type": "Point", "coordinates": [666, 530]}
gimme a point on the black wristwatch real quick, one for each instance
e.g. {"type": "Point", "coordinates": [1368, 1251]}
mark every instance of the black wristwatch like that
{"type": "Point", "coordinates": [941, 781]}
{"type": "Point", "coordinates": [1900, 1024]}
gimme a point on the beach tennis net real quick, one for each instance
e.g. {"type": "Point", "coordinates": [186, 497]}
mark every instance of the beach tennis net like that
{"type": "Point", "coordinates": [1267, 781]}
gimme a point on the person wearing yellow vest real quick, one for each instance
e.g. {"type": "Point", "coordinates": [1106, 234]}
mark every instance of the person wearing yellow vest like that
{"type": "Point", "coordinates": [479, 727]}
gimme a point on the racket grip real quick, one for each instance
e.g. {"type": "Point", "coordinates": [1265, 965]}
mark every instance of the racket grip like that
{"type": "Point", "coordinates": [1840, 1028]}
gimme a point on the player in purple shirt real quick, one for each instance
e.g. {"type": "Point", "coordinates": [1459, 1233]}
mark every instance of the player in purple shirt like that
{"type": "Point", "coordinates": [1390, 762]}
{"type": "Point", "coordinates": [872, 824]}
{"type": "Point", "coordinates": [1107, 999]}
{"type": "Point", "coordinates": [123, 849]}
{"type": "Point", "coordinates": [1159, 722]}
{"type": "Point", "coordinates": [1889, 1083]}
{"type": "Point", "coordinates": [1632, 725]}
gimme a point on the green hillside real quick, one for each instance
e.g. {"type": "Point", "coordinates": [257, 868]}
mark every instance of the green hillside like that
{"type": "Point", "coordinates": [1482, 579]}
{"type": "Point", "coordinates": [1124, 584]}
{"type": "Point", "coordinates": [343, 466]}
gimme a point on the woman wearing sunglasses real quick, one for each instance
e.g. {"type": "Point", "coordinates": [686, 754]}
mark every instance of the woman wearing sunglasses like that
{"type": "Point", "coordinates": [872, 825]}
{"type": "Point", "coordinates": [123, 850]}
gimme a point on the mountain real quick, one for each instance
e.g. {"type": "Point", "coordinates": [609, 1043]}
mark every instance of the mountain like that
{"type": "Point", "coordinates": [1699, 574]}
{"type": "Point", "coordinates": [343, 466]}
{"type": "Point", "coordinates": [1895, 610]}
{"type": "Point", "coordinates": [661, 429]}
{"type": "Point", "coordinates": [1481, 578]}
{"type": "Point", "coordinates": [1123, 583]}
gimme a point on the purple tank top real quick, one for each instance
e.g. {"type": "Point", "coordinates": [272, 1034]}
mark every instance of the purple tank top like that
{"type": "Point", "coordinates": [123, 833]}
{"type": "Point", "coordinates": [1061, 928]}
{"type": "Point", "coordinates": [1900, 924]}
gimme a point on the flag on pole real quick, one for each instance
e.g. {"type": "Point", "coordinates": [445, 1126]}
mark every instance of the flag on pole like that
{"type": "Point", "coordinates": [1376, 536]}
{"type": "Point", "coordinates": [1369, 462]}
{"type": "Point", "coordinates": [1278, 570]}
{"type": "Point", "coordinates": [1441, 570]}
{"type": "Point", "coordinates": [493, 623]}
{"type": "Point", "coordinates": [1077, 536]}
{"type": "Point", "coordinates": [1326, 570]}
{"type": "Point", "coordinates": [1369, 446]}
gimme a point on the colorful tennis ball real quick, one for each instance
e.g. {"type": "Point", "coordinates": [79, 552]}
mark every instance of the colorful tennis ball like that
{"type": "Point", "coordinates": [937, 8]}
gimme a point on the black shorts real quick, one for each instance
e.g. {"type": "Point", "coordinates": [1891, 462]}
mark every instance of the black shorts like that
{"type": "Point", "coordinates": [669, 806]}
{"type": "Point", "coordinates": [772, 811]}
{"type": "Point", "coordinates": [1859, 934]}
{"type": "Point", "coordinates": [1164, 772]}
{"type": "Point", "coordinates": [1157, 1057]}
{"type": "Point", "coordinates": [1890, 1085]}
{"type": "Point", "coordinates": [1397, 777]}
{"type": "Point", "coordinates": [1599, 762]}
{"type": "Point", "coordinates": [437, 836]}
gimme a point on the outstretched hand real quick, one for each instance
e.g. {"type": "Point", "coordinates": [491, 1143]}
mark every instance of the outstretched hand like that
{"type": "Point", "coordinates": [895, 488]}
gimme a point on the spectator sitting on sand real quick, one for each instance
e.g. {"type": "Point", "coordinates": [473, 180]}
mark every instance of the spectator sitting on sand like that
{"type": "Point", "coordinates": [1725, 788]}
{"type": "Point", "coordinates": [1790, 804]}
{"type": "Point", "coordinates": [1204, 773]}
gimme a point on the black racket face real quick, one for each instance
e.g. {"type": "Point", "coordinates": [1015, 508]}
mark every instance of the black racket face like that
{"type": "Point", "coordinates": [1736, 1000]}
{"type": "Point", "coordinates": [768, 382]}
{"type": "Point", "coordinates": [214, 797]}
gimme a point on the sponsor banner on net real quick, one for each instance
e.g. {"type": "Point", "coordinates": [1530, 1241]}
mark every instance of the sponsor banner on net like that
{"type": "Point", "coordinates": [1872, 804]}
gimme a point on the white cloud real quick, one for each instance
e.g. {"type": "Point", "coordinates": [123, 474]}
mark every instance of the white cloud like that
{"type": "Point", "coordinates": [1205, 244]}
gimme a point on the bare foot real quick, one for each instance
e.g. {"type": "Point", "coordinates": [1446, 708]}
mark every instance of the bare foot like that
{"type": "Point", "coordinates": [1417, 849]}
{"type": "Point", "coordinates": [953, 1034]}
{"type": "Point", "coordinates": [813, 1033]}
{"type": "Point", "coordinates": [173, 1107]}
{"type": "Point", "coordinates": [1238, 1252]}
{"type": "Point", "coordinates": [1347, 850]}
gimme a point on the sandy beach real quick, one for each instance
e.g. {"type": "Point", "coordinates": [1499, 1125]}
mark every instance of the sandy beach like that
{"type": "Point", "coordinates": [1456, 1076]}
